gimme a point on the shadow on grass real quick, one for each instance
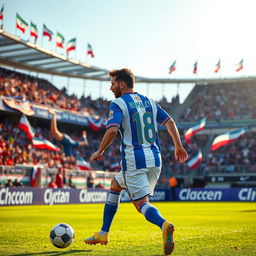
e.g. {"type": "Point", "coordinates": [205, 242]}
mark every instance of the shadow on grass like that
{"type": "Point", "coordinates": [53, 253]}
{"type": "Point", "coordinates": [249, 210]}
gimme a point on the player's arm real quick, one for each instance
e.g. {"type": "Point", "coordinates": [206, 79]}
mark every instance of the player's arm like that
{"type": "Point", "coordinates": [180, 153]}
{"type": "Point", "coordinates": [108, 138]}
{"type": "Point", "coordinates": [85, 141]}
{"type": "Point", "coordinates": [113, 125]}
{"type": "Point", "coordinates": [54, 129]}
{"type": "Point", "coordinates": [164, 119]}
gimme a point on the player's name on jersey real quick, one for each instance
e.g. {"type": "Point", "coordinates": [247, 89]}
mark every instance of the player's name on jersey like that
{"type": "Point", "coordinates": [139, 104]}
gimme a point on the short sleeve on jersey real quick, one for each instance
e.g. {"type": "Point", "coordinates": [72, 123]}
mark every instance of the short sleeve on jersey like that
{"type": "Point", "coordinates": [162, 116]}
{"type": "Point", "coordinates": [115, 116]}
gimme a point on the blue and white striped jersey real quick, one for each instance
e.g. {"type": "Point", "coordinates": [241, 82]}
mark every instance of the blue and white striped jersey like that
{"type": "Point", "coordinates": [137, 116]}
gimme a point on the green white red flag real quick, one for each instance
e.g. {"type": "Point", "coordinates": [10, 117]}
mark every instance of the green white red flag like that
{"type": "Point", "coordinates": [33, 30]}
{"type": "Point", "coordinates": [172, 67]}
{"type": "Point", "coordinates": [195, 68]}
{"type": "Point", "coordinates": [217, 67]}
{"type": "Point", "coordinates": [47, 32]}
{"type": "Point", "coordinates": [2, 13]}
{"type": "Point", "coordinates": [60, 40]}
{"type": "Point", "coordinates": [90, 51]}
{"type": "Point", "coordinates": [71, 45]}
{"type": "Point", "coordinates": [21, 24]}
{"type": "Point", "coordinates": [240, 65]}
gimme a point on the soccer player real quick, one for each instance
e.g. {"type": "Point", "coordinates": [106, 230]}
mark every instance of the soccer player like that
{"type": "Point", "coordinates": [135, 117]}
{"type": "Point", "coordinates": [65, 139]}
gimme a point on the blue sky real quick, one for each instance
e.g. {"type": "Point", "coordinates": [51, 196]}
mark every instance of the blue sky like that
{"type": "Point", "coordinates": [147, 36]}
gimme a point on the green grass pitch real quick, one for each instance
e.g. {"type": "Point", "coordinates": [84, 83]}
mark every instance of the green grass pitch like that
{"type": "Point", "coordinates": [201, 229]}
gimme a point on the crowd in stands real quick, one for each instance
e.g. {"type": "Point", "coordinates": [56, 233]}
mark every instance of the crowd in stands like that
{"type": "Point", "coordinates": [16, 148]}
{"type": "Point", "coordinates": [222, 102]}
{"type": "Point", "coordinates": [214, 102]}
{"type": "Point", "coordinates": [238, 156]}
{"type": "Point", "coordinates": [170, 165]}
{"type": "Point", "coordinates": [40, 91]}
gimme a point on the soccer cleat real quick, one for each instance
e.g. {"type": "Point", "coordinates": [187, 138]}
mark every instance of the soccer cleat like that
{"type": "Point", "coordinates": [97, 239]}
{"type": "Point", "coordinates": [168, 238]}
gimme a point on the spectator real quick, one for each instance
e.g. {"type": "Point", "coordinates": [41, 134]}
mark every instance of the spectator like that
{"type": "Point", "coordinates": [52, 184]}
{"type": "Point", "coordinates": [90, 181]}
{"type": "Point", "coordinates": [70, 182]}
{"type": "Point", "coordinates": [65, 139]}
{"type": "Point", "coordinates": [100, 186]}
{"type": "Point", "coordinates": [17, 183]}
{"type": "Point", "coordinates": [9, 183]}
{"type": "Point", "coordinates": [59, 178]}
{"type": "Point", "coordinates": [172, 185]}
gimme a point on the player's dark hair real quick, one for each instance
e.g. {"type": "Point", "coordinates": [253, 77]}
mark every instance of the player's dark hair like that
{"type": "Point", "coordinates": [124, 75]}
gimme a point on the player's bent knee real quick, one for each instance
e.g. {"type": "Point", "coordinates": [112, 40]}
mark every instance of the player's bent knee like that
{"type": "Point", "coordinates": [115, 186]}
{"type": "Point", "coordinates": [139, 203]}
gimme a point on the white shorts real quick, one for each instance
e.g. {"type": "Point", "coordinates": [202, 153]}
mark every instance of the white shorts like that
{"type": "Point", "coordinates": [138, 183]}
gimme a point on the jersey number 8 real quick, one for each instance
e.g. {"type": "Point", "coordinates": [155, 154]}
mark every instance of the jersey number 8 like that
{"type": "Point", "coordinates": [147, 125]}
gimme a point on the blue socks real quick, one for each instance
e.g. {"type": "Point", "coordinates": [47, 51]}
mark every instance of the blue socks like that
{"type": "Point", "coordinates": [110, 209]}
{"type": "Point", "coordinates": [152, 214]}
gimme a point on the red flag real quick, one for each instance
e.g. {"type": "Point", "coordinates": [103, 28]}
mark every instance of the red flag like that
{"type": "Point", "coordinates": [217, 67]}
{"type": "Point", "coordinates": [195, 68]}
{"type": "Point", "coordinates": [90, 51]}
{"type": "Point", "coordinates": [195, 161]}
{"type": "Point", "coordinates": [240, 65]}
{"type": "Point", "coordinates": [26, 127]}
{"type": "Point", "coordinates": [172, 67]}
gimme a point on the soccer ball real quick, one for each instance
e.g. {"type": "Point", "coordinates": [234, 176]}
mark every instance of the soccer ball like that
{"type": "Point", "coordinates": [62, 235]}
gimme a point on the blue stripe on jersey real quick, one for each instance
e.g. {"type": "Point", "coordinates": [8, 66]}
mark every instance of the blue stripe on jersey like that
{"type": "Point", "coordinates": [156, 155]}
{"type": "Point", "coordinates": [157, 142]}
{"type": "Point", "coordinates": [154, 149]}
{"type": "Point", "coordinates": [139, 155]}
{"type": "Point", "coordinates": [124, 165]}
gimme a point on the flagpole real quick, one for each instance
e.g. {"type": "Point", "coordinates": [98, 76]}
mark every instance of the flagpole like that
{"type": "Point", "coordinates": [178, 89]}
{"type": "Point", "coordinates": [163, 89]}
{"type": "Point", "coordinates": [84, 85]}
{"type": "Point", "coordinates": [68, 82]}
{"type": "Point", "coordinates": [100, 89]}
{"type": "Point", "coordinates": [2, 26]}
{"type": "Point", "coordinates": [16, 25]}
{"type": "Point", "coordinates": [56, 42]}
{"type": "Point", "coordinates": [29, 37]}
{"type": "Point", "coordinates": [42, 39]}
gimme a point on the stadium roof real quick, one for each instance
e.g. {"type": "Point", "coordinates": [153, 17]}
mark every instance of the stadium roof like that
{"type": "Point", "coordinates": [20, 54]}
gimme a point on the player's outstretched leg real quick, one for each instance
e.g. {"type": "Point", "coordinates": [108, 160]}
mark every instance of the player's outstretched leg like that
{"type": "Point", "coordinates": [168, 241]}
{"type": "Point", "coordinates": [153, 215]}
{"type": "Point", "coordinates": [97, 239]}
{"type": "Point", "coordinates": [110, 209]}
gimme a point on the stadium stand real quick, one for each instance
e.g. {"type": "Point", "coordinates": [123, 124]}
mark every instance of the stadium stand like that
{"type": "Point", "coordinates": [40, 91]}
{"type": "Point", "coordinates": [217, 102]}
{"type": "Point", "coordinates": [222, 101]}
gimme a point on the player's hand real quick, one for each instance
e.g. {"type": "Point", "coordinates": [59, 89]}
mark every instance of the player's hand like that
{"type": "Point", "coordinates": [51, 111]}
{"type": "Point", "coordinates": [180, 154]}
{"type": "Point", "coordinates": [95, 156]}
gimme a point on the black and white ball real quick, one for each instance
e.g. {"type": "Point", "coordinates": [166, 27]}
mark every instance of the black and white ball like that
{"type": "Point", "coordinates": [62, 235]}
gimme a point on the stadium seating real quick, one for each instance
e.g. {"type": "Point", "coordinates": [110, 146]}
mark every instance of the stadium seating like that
{"type": "Point", "coordinates": [224, 101]}
{"type": "Point", "coordinates": [217, 102]}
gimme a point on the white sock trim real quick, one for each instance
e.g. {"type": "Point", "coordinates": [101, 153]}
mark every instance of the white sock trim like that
{"type": "Point", "coordinates": [145, 207]}
{"type": "Point", "coordinates": [163, 227]}
{"type": "Point", "coordinates": [113, 199]}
